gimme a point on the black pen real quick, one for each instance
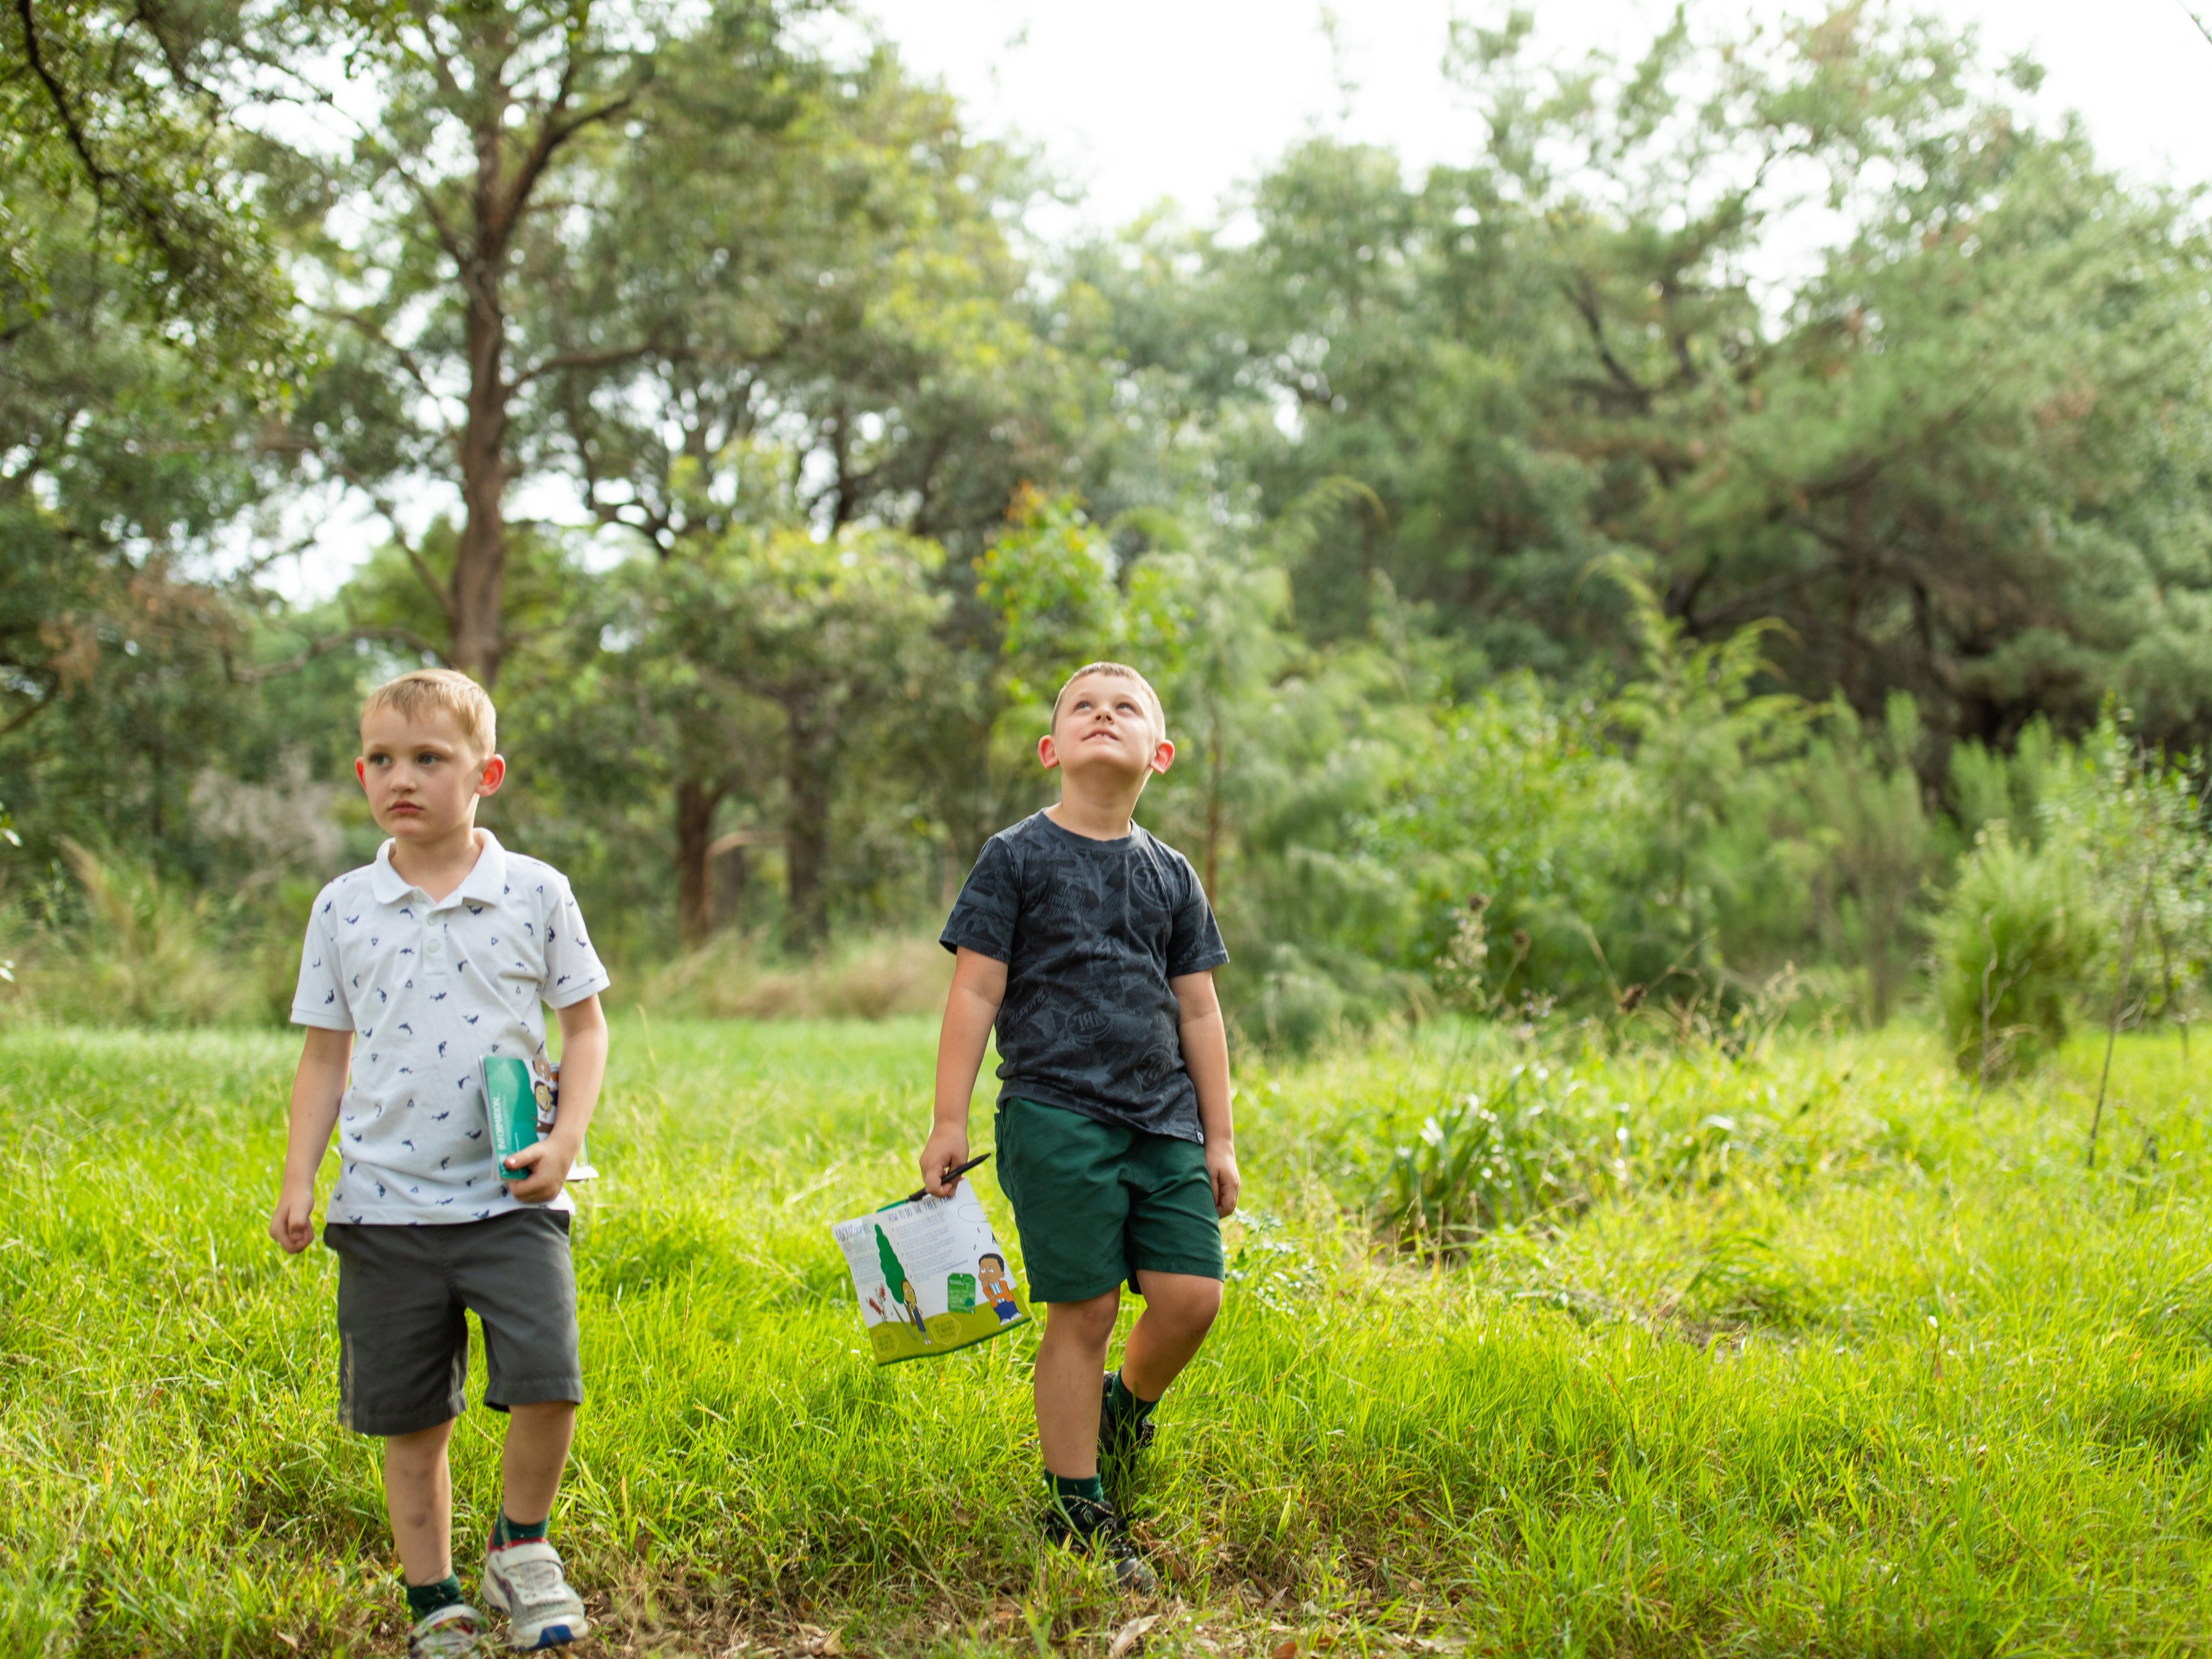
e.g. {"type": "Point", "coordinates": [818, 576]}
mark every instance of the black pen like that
{"type": "Point", "coordinates": [953, 1174]}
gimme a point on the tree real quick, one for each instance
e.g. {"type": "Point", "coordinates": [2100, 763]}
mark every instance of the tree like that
{"type": "Point", "coordinates": [474, 188]}
{"type": "Point", "coordinates": [837, 635]}
{"type": "Point", "coordinates": [114, 130]}
{"type": "Point", "coordinates": [1961, 455]}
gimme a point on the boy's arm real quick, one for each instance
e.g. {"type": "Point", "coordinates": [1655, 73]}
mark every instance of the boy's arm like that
{"type": "Point", "coordinates": [583, 1069]}
{"type": "Point", "coordinates": [1206, 1055]}
{"type": "Point", "coordinates": [318, 1088]}
{"type": "Point", "coordinates": [979, 986]}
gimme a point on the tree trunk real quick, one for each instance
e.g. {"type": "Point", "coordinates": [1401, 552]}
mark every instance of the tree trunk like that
{"type": "Point", "coordinates": [694, 869]}
{"type": "Point", "coordinates": [806, 827]}
{"type": "Point", "coordinates": [480, 560]}
{"type": "Point", "coordinates": [1213, 761]}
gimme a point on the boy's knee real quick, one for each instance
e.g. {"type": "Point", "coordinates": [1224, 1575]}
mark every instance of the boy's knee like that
{"type": "Point", "coordinates": [423, 1448]}
{"type": "Point", "coordinates": [1091, 1320]}
{"type": "Point", "coordinates": [1188, 1299]}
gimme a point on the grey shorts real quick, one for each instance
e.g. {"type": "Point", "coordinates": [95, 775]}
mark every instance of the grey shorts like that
{"type": "Point", "coordinates": [404, 1294]}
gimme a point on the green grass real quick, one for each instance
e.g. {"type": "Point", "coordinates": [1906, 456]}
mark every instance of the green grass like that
{"type": "Point", "coordinates": [1827, 1357]}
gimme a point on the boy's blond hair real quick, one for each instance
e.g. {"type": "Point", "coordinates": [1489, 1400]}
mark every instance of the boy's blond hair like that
{"type": "Point", "coordinates": [443, 691]}
{"type": "Point", "coordinates": [1116, 671]}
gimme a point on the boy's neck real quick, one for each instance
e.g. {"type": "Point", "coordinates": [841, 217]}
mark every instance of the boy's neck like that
{"type": "Point", "coordinates": [1096, 813]}
{"type": "Point", "coordinates": [437, 866]}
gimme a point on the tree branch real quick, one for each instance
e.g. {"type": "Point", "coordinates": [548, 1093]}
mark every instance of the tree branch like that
{"type": "Point", "coordinates": [563, 361]}
{"type": "Point", "coordinates": [254, 674]}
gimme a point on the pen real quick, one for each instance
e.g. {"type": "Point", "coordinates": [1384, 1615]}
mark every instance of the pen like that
{"type": "Point", "coordinates": [953, 1174]}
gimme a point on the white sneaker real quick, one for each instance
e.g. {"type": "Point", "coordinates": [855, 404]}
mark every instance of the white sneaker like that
{"type": "Point", "coordinates": [451, 1633]}
{"type": "Point", "coordinates": [525, 1582]}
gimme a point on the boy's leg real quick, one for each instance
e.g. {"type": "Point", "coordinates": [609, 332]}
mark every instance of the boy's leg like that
{"type": "Point", "coordinates": [1179, 1311]}
{"type": "Point", "coordinates": [418, 1496]}
{"type": "Point", "coordinates": [403, 1358]}
{"type": "Point", "coordinates": [517, 1278]}
{"type": "Point", "coordinates": [537, 1436]}
{"type": "Point", "coordinates": [1174, 1244]}
{"type": "Point", "coordinates": [1070, 1359]}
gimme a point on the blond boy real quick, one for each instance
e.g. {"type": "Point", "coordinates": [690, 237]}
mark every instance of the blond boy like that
{"type": "Point", "coordinates": [1090, 945]}
{"type": "Point", "coordinates": [416, 968]}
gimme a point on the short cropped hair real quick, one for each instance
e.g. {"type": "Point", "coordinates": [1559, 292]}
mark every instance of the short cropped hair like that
{"type": "Point", "coordinates": [441, 690]}
{"type": "Point", "coordinates": [1117, 670]}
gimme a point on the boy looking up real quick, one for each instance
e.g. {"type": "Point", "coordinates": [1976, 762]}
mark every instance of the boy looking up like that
{"type": "Point", "coordinates": [436, 956]}
{"type": "Point", "coordinates": [1091, 946]}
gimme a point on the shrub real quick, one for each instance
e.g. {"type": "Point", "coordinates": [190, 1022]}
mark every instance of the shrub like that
{"type": "Point", "coordinates": [2011, 941]}
{"type": "Point", "coordinates": [148, 952]}
{"type": "Point", "coordinates": [1481, 1163]}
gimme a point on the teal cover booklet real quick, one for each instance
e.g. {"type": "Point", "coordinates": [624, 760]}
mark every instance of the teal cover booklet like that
{"type": "Point", "coordinates": [522, 1101]}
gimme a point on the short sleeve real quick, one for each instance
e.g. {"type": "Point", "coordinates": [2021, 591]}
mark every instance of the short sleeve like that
{"type": "Point", "coordinates": [1194, 941]}
{"type": "Point", "coordinates": [990, 904]}
{"type": "Point", "coordinates": [319, 999]}
{"type": "Point", "coordinates": [573, 969]}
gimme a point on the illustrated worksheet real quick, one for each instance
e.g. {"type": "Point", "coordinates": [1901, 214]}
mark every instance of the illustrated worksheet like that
{"type": "Point", "coordinates": [930, 1276]}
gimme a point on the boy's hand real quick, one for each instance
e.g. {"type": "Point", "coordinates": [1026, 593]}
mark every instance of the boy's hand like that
{"type": "Point", "coordinates": [548, 1162]}
{"type": "Point", "coordinates": [1221, 1169]}
{"type": "Point", "coordinates": [292, 1223]}
{"type": "Point", "coordinates": [945, 1149]}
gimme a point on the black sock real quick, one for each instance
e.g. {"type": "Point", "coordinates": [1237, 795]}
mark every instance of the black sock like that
{"type": "Point", "coordinates": [1125, 1403]}
{"type": "Point", "coordinates": [504, 1531]}
{"type": "Point", "coordinates": [1085, 1485]}
{"type": "Point", "coordinates": [423, 1600]}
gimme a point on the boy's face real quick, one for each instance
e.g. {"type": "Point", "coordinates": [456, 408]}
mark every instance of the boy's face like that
{"type": "Point", "coordinates": [421, 777]}
{"type": "Point", "coordinates": [1106, 721]}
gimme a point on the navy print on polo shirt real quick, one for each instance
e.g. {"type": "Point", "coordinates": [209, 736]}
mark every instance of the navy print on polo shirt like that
{"type": "Point", "coordinates": [373, 939]}
{"type": "Point", "coordinates": [1091, 932]}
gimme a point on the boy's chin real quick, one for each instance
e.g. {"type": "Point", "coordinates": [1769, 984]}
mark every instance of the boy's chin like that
{"type": "Point", "coordinates": [408, 828]}
{"type": "Point", "coordinates": [1106, 766]}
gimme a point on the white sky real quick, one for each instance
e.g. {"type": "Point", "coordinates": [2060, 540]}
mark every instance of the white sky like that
{"type": "Point", "coordinates": [1146, 99]}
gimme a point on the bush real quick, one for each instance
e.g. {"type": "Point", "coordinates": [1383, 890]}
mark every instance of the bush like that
{"type": "Point", "coordinates": [147, 953]}
{"type": "Point", "coordinates": [2011, 941]}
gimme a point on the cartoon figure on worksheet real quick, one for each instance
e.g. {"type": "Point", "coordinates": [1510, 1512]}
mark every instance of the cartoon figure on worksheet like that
{"type": "Point", "coordinates": [895, 1274]}
{"type": "Point", "coordinates": [998, 1290]}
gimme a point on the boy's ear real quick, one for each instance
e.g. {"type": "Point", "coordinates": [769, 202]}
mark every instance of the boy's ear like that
{"type": "Point", "coordinates": [1162, 757]}
{"type": "Point", "coordinates": [494, 774]}
{"type": "Point", "coordinates": [1047, 752]}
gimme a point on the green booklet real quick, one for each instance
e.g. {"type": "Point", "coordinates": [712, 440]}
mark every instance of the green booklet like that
{"type": "Point", "coordinates": [930, 1276]}
{"type": "Point", "coordinates": [522, 1102]}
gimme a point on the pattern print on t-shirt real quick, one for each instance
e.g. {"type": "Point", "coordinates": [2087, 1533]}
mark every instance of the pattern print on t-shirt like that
{"type": "Point", "coordinates": [1091, 932]}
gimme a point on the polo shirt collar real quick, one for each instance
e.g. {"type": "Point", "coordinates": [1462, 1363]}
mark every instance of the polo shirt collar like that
{"type": "Point", "coordinates": [486, 883]}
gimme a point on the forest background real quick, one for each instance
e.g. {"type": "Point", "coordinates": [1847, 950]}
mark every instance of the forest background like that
{"type": "Point", "coordinates": [1561, 616]}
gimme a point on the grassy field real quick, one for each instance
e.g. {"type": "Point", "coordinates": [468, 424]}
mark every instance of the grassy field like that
{"type": "Point", "coordinates": [1822, 1355]}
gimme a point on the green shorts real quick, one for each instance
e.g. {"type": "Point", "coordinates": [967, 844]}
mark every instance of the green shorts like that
{"type": "Point", "coordinates": [1097, 1203]}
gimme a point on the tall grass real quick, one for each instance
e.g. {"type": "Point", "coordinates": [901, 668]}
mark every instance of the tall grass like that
{"type": "Point", "coordinates": [1858, 1366]}
{"type": "Point", "coordinates": [735, 977]}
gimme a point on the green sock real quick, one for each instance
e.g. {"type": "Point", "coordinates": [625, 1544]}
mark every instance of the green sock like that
{"type": "Point", "coordinates": [504, 1531]}
{"type": "Point", "coordinates": [1087, 1486]}
{"type": "Point", "coordinates": [423, 1600]}
{"type": "Point", "coordinates": [1125, 1403]}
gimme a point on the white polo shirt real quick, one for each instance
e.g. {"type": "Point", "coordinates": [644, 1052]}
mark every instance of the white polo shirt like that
{"type": "Point", "coordinates": [430, 988]}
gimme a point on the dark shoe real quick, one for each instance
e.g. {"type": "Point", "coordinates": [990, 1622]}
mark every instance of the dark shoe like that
{"type": "Point", "coordinates": [1084, 1524]}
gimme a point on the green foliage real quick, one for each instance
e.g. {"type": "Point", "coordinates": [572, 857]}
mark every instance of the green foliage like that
{"type": "Point", "coordinates": [2102, 893]}
{"type": "Point", "coordinates": [151, 953]}
{"type": "Point", "coordinates": [1489, 537]}
{"type": "Point", "coordinates": [2011, 942]}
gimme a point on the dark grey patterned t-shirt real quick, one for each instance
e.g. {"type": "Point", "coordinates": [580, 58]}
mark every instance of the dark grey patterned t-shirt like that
{"type": "Point", "coordinates": [1090, 932]}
